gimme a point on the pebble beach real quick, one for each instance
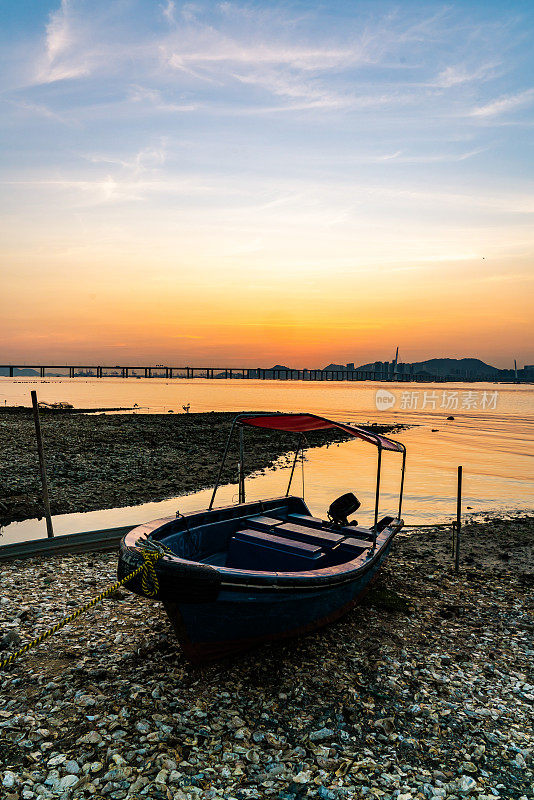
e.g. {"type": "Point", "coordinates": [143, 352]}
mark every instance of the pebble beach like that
{"type": "Point", "coordinates": [425, 690]}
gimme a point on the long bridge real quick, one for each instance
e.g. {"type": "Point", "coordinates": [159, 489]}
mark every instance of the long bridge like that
{"type": "Point", "coordinates": [168, 372]}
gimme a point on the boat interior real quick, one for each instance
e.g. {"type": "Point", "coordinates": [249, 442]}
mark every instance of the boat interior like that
{"type": "Point", "coordinates": [269, 537]}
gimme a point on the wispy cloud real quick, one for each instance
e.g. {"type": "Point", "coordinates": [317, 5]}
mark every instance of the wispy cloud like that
{"type": "Point", "coordinates": [305, 201]}
{"type": "Point", "coordinates": [155, 98]}
{"type": "Point", "coordinates": [148, 159]}
{"type": "Point", "coordinates": [269, 51]}
{"type": "Point", "coordinates": [458, 75]}
{"type": "Point", "coordinates": [41, 110]}
{"type": "Point", "coordinates": [62, 57]}
{"type": "Point", "coordinates": [502, 105]}
{"type": "Point", "coordinates": [279, 58]}
{"type": "Point", "coordinates": [430, 158]}
{"type": "Point", "coordinates": [327, 130]}
{"type": "Point", "coordinates": [168, 11]}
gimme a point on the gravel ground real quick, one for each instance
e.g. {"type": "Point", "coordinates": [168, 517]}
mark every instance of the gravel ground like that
{"type": "Point", "coordinates": [106, 461]}
{"type": "Point", "coordinates": [421, 692]}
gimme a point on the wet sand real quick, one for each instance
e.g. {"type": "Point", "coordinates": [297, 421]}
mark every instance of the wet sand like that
{"type": "Point", "coordinates": [107, 461]}
{"type": "Point", "coordinates": [423, 691]}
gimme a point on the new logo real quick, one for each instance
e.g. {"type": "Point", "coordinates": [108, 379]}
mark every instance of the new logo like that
{"type": "Point", "coordinates": [384, 399]}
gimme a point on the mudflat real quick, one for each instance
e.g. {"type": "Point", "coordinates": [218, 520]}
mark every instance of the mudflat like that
{"type": "Point", "coordinates": [97, 461]}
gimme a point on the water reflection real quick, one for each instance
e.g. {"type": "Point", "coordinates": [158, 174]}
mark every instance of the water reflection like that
{"type": "Point", "coordinates": [495, 448]}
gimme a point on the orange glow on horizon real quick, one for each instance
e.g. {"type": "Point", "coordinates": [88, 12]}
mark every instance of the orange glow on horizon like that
{"type": "Point", "coordinates": [358, 317]}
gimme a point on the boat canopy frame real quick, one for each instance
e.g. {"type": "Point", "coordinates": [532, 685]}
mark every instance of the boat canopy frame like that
{"type": "Point", "coordinates": [300, 424]}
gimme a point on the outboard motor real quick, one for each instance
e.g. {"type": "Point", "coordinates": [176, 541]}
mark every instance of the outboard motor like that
{"type": "Point", "coordinates": [342, 507]}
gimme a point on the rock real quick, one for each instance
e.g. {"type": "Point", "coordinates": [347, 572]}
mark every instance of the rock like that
{"type": "Point", "coordinates": [10, 780]}
{"type": "Point", "coordinates": [142, 727]}
{"type": "Point", "coordinates": [303, 777]}
{"type": "Point", "coordinates": [162, 777]}
{"type": "Point", "coordinates": [10, 639]}
{"type": "Point", "coordinates": [87, 701]}
{"type": "Point", "coordinates": [67, 782]}
{"type": "Point", "coordinates": [93, 737]}
{"type": "Point", "coordinates": [325, 794]}
{"type": "Point", "coordinates": [55, 761]}
{"type": "Point", "coordinates": [468, 766]}
{"type": "Point", "coordinates": [321, 735]}
{"type": "Point", "coordinates": [52, 779]}
{"type": "Point", "coordinates": [117, 594]}
{"type": "Point", "coordinates": [466, 784]}
{"type": "Point", "coordinates": [387, 724]}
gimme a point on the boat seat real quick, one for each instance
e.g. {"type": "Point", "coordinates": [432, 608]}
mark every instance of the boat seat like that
{"type": "Point", "coordinates": [263, 522]}
{"type": "Point", "coordinates": [262, 551]}
{"type": "Point", "coordinates": [299, 533]}
{"type": "Point", "coordinates": [302, 533]}
{"type": "Point", "coordinates": [354, 531]}
{"type": "Point", "coordinates": [305, 519]}
{"type": "Point", "coordinates": [315, 522]}
{"type": "Point", "coordinates": [356, 544]}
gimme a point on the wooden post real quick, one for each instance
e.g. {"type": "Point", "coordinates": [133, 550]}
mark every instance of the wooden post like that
{"type": "Point", "coordinates": [458, 521]}
{"type": "Point", "coordinates": [42, 465]}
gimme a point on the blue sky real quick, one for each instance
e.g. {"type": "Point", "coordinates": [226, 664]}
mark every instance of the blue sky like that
{"type": "Point", "coordinates": [376, 146]}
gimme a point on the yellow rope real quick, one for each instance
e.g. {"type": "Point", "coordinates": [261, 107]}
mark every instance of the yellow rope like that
{"type": "Point", "coordinates": [152, 552]}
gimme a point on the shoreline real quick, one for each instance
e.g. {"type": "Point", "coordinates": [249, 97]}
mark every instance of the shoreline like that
{"type": "Point", "coordinates": [421, 691]}
{"type": "Point", "coordinates": [101, 461]}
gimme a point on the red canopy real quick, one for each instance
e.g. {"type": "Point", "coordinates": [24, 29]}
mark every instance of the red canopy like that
{"type": "Point", "coordinates": [302, 423]}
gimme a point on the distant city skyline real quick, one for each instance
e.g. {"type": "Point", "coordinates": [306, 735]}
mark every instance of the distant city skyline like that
{"type": "Point", "coordinates": [253, 182]}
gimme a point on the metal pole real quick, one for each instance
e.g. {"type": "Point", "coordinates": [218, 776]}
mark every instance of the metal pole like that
{"type": "Point", "coordinates": [458, 521]}
{"type": "Point", "coordinates": [402, 480]}
{"type": "Point", "coordinates": [222, 464]}
{"type": "Point", "coordinates": [377, 495]}
{"type": "Point", "coordinates": [42, 465]}
{"type": "Point", "coordinates": [299, 445]}
{"type": "Point", "coordinates": [241, 467]}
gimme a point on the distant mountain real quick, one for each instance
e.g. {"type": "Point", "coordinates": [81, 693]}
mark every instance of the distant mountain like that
{"type": "Point", "coordinates": [453, 367]}
{"type": "Point", "coordinates": [335, 367]}
{"type": "Point", "coordinates": [4, 371]}
{"type": "Point", "coordinates": [456, 366]}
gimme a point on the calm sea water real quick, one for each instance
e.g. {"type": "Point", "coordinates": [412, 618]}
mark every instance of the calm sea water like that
{"type": "Point", "coordinates": [491, 436]}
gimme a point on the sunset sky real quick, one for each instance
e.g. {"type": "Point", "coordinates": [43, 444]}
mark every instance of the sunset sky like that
{"type": "Point", "coordinates": [257, 183]}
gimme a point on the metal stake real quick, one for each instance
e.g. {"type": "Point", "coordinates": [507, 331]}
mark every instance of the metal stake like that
{"type": "Point", "coordinates": [458, 521]}
{"type": "Point", "coordinates": [42, 466]}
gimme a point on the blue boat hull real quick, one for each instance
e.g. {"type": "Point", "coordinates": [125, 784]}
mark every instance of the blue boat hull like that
{"type": "Point", "coordinates": [239, 621]}
{"type": "Point", "coordinates": [218, 609]}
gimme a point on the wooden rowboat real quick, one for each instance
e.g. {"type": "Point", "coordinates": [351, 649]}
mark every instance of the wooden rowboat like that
{"type": "Point", "coordinates": [231, 578]}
